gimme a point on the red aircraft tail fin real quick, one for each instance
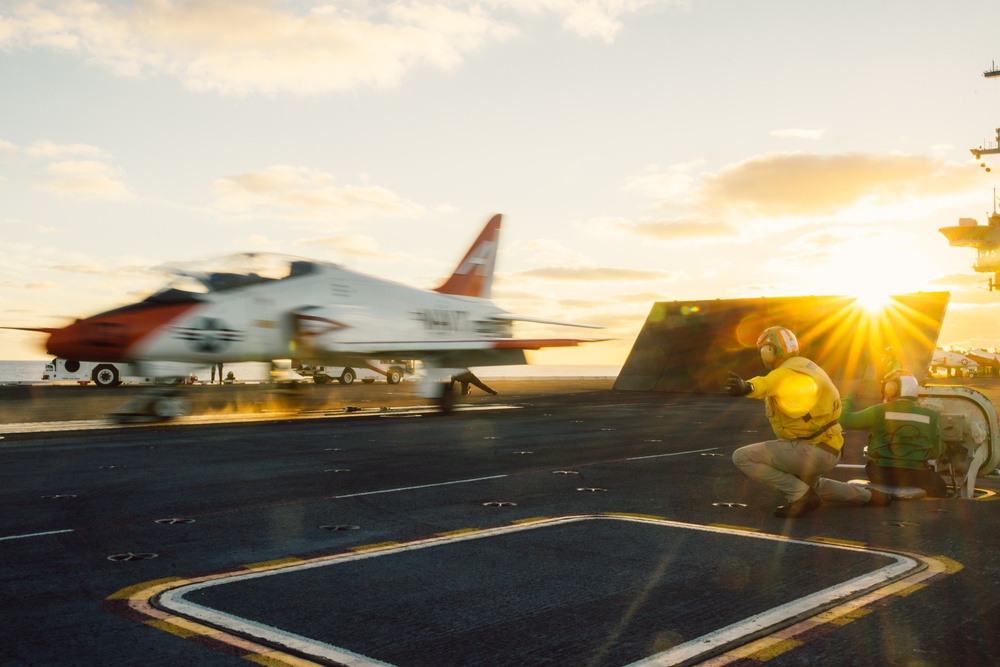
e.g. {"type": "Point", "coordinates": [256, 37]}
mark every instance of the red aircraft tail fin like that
{"type": "Point", "coordinates": [474, 275]}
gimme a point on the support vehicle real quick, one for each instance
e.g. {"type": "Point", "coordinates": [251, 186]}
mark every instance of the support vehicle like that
{"type": "Point", "coordinates": [392, 370]}
{"type": "Point", "coordinates": [101, 373]}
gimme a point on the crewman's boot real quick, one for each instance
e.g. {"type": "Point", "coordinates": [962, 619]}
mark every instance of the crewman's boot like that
{"type": "Point", "coordinates": [800, 507]}
{"type": "Point", "coordinates": [878, 499]}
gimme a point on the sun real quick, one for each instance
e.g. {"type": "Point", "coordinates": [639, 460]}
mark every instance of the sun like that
{"type": "Point", "coordinates": [873, 301]}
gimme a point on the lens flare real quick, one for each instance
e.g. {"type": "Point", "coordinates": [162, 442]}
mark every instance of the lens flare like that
{"type": "Point", "coordinates": [874, 302]}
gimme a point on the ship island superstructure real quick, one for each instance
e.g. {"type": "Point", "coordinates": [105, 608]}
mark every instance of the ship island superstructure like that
{"type": "Point", "coordinates": [984, 238]}
{"type": "Point", "coordinates": [968, 232]}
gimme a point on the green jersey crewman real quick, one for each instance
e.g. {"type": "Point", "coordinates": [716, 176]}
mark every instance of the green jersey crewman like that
{"type": "Point", "coordinates": [904, 436]}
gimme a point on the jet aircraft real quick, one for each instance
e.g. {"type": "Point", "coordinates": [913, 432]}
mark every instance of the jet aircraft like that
{"type": "Point", "coordinates": [952, 362]}
{"type": "Point", "coordinates": [262, 307]}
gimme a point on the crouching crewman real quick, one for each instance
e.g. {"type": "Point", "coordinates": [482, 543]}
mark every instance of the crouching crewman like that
{"type": "Point", "coordinates": [904, 436]}
{"type": "Point", "coordinates": [803, 406]}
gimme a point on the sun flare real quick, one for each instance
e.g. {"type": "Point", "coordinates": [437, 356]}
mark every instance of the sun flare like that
{"type": "Point", "coordinates": [873, 301]}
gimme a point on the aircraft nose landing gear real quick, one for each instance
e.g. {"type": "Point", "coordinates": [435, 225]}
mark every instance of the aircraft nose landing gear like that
{"type": "Point", "coordinates": [439, 386]}
{"type": "Point", "coordinates": [441, 393]}
{"type": "Point", "coordinates": [153, 405]}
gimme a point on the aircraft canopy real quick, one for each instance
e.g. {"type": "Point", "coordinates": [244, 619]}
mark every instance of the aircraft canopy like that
{"type": "Point", "coordinates": [190, 279]}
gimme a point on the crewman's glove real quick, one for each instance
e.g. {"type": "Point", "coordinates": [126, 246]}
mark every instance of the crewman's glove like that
{"type": "Point", "coordinates": [737, 386]}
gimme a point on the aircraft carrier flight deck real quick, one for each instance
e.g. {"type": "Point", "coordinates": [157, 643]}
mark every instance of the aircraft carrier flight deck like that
{"type": "Point", "coordinates": [558, 523]}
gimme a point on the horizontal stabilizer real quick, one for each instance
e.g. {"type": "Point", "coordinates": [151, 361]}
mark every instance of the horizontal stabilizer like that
{"type": "Point", "coordinates": [425, 348]}
{"type": "Point", "coordinates": [510, 317]}
{"type": "Point", "coordinates": [539, 343]}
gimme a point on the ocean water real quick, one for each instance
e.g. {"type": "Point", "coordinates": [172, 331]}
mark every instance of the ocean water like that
{"type": "Point", "coordinates": [21, 371]}
{"type": "Point", "coordinates": [24, 372]}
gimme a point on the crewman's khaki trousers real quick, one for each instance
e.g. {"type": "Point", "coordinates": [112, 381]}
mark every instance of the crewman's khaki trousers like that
{"type": "Point", "coordinates": [792, 466]}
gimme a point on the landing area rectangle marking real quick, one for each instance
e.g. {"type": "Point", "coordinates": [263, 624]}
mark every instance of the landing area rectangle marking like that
{"type": "Point", "coordinates": [596, 590]}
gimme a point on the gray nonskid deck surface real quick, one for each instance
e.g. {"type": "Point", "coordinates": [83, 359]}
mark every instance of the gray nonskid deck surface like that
{"type": "Point", "coordinates": [595, 591]}
{"type": "Point", "coordinates": [607, 591]}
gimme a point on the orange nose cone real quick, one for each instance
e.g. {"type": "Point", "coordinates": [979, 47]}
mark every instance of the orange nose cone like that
{"type": "Point", "coordinates": [93, 339]}
{"type": "Point", "coordinates": [111, 336]}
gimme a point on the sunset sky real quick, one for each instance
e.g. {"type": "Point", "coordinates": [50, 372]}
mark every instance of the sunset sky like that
{"type": "Point", "coordinates": [640, 150]}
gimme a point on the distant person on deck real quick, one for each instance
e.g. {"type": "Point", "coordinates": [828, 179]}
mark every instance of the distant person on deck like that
{"type": "Point", "coordinates": [468, 378]}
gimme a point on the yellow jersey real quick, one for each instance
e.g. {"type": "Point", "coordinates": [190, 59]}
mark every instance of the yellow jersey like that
{"type": "Point", "coordinates": [801, 402]}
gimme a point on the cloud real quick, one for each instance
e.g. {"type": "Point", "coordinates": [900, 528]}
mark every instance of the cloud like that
{"type": "Point", "coordinates": [685, 230]}
{"type": "Point", "coordinates": [971, 325]}
{"type": "Point", "coordinates": [781, 191]}
{"type": "Point", "coordinates": [587, 274]}
{"type": "Point", "coordinates": [780, 184]}
{"type": "Point", "coordinates": [667, 226]}
{"type": "Point", "coordinates": [87, 179]}
{"type": "Point", "coordinates": [959, 280]}
{"type": "Point", "coordinates": [86, 269]}
{"type": "Point", "coordinates": [813, 248]}
{"type": "Point", "coordinates": [355, 247]}
{"type": "Point", "coordinates": [307, 194]}
{"type": "Point", "coordinates": [235, 47]}
{"type": "Point", "coordinates": [798, 133]}
{"type": "Point", "coordinates": [241, 46]}
{"type": "Point", "coordinates": [36, 227]}
{"type": "Point", "coordinates": [46, 149]}
{"type": "Point", "coordinates": [548, 252]}
{"type": "Point", "coordinates": [675, 184]}
{"type": "Point", "coordinates": [68, 177]}
{"type": "Point", "coordinates": [599, 19]}
{"type": "Point", "coordinates": [14, 284]}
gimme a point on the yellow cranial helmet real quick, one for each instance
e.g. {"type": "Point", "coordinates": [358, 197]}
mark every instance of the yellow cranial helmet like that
{"type": "Point", "coordinates": [777, 344]}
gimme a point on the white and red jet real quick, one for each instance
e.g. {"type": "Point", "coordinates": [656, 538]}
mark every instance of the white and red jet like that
{"type": "Point", "coordinates": [261, 307]}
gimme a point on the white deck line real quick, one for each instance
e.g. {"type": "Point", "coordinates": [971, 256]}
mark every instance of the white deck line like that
{"type": "Point", "coordinates": [419, 486]}
{"type": "Point", "coordinates": [42, 534]}
{"type": "Point", "coordinates": [658, 456]}
{"type": "Point", "coordinates": [752, 627]}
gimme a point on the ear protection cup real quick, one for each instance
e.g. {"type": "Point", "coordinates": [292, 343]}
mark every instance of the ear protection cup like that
{"type": "Point", "coordinates": [776, 344]}
{"type": "Point", "coordinates": [767, 355]}
{"type": "Point", "coordinates": [908, 386]}
{"type": "Point", "coordinates": [891, 389]}
{"type": "Point", "coordinates": [900, 383]}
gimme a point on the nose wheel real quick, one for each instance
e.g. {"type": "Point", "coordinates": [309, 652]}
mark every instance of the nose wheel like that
{"type": "Point", "coordinates": [439, 387]}
{"type": "Point", "coordinates": [446, 401]}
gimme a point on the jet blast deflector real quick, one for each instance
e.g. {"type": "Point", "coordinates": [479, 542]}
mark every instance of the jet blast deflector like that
{"type": "Point", "coordinates": [690, 346]}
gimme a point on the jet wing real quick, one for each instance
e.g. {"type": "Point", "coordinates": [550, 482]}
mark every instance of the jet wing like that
{"type": "Point", "coordinates": [376, 332]}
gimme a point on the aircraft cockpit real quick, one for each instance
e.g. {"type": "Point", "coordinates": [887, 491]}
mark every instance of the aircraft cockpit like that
{"type": "Point", "coordinates": [190, 280]}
